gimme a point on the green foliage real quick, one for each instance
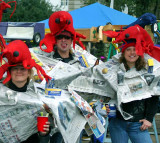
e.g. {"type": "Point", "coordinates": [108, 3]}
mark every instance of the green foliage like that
{"type": "Point", "coordinates": [28, 11]}
{"type": "Point", "coordinates": [99, 49]}
{"type": "Point", "coordinates": [135, 7]}
{"type": "Point", "coordinates": [152, 6]}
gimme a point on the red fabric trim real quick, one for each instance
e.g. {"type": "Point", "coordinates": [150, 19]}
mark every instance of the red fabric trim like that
{"type": "Point", "coordinates": [128, 45]}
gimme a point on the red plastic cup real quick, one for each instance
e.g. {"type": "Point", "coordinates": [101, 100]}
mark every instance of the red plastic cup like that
{"type": "Point", "coordinates": [40, 122]}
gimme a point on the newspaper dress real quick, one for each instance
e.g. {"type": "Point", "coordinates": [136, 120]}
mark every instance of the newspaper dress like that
{"type": "Point", "coordinates": [70, 120]}
{"type": "Point", "coordinates": [136, 85]}
{"type": "Point", "coordinates": [18, 114]}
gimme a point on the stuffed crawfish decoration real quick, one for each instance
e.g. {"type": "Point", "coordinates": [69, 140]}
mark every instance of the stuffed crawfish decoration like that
{"type": "Point", "coordinates": [144, 43]}
{"type": "Point", "coordinates": [4, 6]}
{"type": "Point", "coordinates": [58, 22]}
{"type": "Point", "coordinates": [17, 52]}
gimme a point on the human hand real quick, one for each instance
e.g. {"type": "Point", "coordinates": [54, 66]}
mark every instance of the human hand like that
{"type": "Point", "coordinates": [46, 129]}
{"type": "Point", "coordinates": [107, 109]}
{"type": "Point", "coordinates": [146, 124]}
{"type": "Point", "coordinates": [47, 108]}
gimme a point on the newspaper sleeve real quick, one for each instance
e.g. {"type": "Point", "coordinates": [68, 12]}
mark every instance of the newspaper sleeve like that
{"type": "Point", "coordinates": [38, 60]}
{"type": "Point", "coordinates": [68, 118]}
{"type": "Point", "coordinates": [63, 74]}
{"type": "Point", "coordinates": [89, 57]}
{"type": "Point", "coordinates": [92, 119]}
{"type": "Point", "coordinates": [92, 85]}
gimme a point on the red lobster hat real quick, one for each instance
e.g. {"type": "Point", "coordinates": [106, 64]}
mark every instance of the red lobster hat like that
{"type": "Point", "coordinates": [17, 52]}
{"type": "Point", "coordinates": [143, 42]}
{"type": "Point", "coordinates": [128, 43]}
{"type": "Point", "coordinates": [60, 21]}
{"type": "Point", "coordinates": [4, 6]}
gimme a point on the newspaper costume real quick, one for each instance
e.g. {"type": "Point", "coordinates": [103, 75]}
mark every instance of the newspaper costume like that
{"type": "Point", "coordinates": [67, 116]}
{"type": "Point", "coordinates": [18, 108]}
{"type": "Point", "coordinates": [64, 73]}
{"type": "Point", "coordinates": [135, 85]}
{"type": "Point", "coordinates": [18, 116]}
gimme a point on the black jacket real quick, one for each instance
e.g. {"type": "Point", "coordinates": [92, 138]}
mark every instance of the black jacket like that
{"type": "Point", "coordinates": [141, 109]}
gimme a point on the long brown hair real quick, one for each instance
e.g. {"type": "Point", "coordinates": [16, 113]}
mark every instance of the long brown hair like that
{"type": "Point", "coordinates": [139, 64]}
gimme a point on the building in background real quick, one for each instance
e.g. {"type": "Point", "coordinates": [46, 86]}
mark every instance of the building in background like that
{"type": "Point", "coordinates": [67, 5]}
{"type": "Point", "coordinates": [75, 4]}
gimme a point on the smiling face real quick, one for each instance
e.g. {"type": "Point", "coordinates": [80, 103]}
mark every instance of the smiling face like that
{"type": "Point", "coordinates": [19, 75]}
{"type": "Point", "coordinates": [130, 56]}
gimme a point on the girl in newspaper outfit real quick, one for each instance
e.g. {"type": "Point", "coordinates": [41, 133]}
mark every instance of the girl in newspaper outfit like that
{"type": "Point", "coordinates": [142, 111]}
{"type": "Point", "coordinates": [20, 76]}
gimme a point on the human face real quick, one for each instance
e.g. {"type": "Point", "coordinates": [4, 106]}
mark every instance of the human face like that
{"type": "Point", "coordinates": [19, 75]}
{"type": "Point", "coordinates": [130, 56]}
{"type": "Point", "coordinates": [64, 41]}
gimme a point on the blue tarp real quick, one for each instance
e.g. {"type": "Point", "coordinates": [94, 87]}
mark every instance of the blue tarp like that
{"type": "Point", "coordinates": [95, 15]}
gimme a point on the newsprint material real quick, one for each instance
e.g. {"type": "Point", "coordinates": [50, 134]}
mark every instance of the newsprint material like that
{"type": "Point", "coordinates": [92, 119]}
{"type": "Point", "coordinates": [69, 120]}
{"type": "Point", "coordinates": [18, 114]}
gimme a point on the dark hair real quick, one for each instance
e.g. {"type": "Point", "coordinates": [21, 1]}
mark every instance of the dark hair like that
{"type": "Point", "coordinates": [139, 64]}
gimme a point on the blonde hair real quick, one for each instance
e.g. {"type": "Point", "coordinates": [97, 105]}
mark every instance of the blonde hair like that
{"type": "Point", "coordinates": [31, 76]}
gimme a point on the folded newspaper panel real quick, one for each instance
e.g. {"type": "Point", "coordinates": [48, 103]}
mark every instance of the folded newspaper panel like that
{"type": "Point", "coordinates": [69, 120]}
{"type": "Point", "coordinates": [18, 114]}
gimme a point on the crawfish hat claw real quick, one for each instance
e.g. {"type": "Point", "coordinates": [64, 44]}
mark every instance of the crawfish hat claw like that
{"type": "Point", "coordinates": [4, 6]}
{"type": "Point", "coordinates": [17, 52]}
{"type": "Point", "coordinates": [58, 22]}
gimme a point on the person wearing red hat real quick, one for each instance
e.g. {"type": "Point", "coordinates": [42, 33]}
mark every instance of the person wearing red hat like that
{"type": "Point", "coordinates": [20, 79]}
{"type": "Point", "coordinates": [59, 43]}
{"type": "Point", "coordinates": [143, 111]}
{"type": "Point", "coordinates": [60, 23]}
{"type": "Point", "coordinates": [62, 38]}
{"type": "Point", "coordinates": [137, 115]}
{"type": "Point", "coordinates": [63, 46]}
{"type": "Point", "coordinates": [19, 70]}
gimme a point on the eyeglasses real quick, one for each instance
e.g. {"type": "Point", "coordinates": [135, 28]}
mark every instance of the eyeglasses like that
{"type": "Point", "coordinates": [59, 37]}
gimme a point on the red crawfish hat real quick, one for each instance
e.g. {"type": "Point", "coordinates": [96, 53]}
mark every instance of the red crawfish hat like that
{"type": "Point", "coordinates": [4, 6]}
{"type": "Point", "coordinates": [142, 40]}
{"type": "Point", "coordinates": [58, 22]}
{"type": "Point", "coordinates": [17, 52]}
{"type": "Point", "coordinates": [128, 43]}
